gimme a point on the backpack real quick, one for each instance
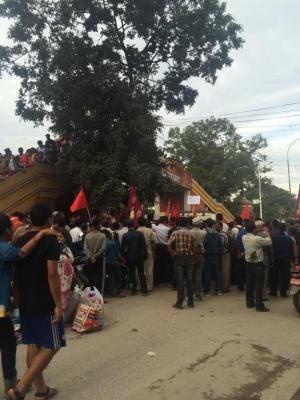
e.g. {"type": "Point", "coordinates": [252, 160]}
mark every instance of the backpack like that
{"type": "Point", "coordinates": [212, 245]}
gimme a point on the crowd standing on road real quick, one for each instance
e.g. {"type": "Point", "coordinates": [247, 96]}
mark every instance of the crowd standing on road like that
{"type": "Point", "coordinates": [43, 257]}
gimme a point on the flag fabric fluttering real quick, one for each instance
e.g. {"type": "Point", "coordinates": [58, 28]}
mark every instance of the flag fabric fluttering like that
{"type": "Point", "coordinates": [168, 209]}
{"type": "Point", "coordinates": [298, 205]}
{"type": "Point", "coordinates": [80, 202]}
{"type": "Point", "coordinates": [245, 214]}
{"type": "Point", "coordinates": [134, 207]}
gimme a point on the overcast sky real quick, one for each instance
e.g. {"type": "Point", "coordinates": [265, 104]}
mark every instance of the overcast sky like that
{"type": "Point", "coordinates": [265, 73]}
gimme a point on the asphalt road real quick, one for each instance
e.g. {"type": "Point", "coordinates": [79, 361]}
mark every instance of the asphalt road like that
{"type": "Point", "coordinates": [217, 351]}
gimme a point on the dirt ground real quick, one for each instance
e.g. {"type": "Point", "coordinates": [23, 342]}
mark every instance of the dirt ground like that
{"type": "Point", "coordinates": [217, 351]}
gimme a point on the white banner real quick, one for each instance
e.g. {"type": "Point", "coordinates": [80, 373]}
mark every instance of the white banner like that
{"type": "Point", "coordinates": [193, 200]}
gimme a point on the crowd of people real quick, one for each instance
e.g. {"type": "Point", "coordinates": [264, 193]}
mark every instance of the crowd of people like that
{"type": "Point", "coordinates": [197, 258]}
{"type": "Point", "coordinates": [50, 152]}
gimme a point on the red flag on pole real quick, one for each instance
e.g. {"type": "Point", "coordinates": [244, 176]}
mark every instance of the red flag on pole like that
{"type": "Point", "coordinates": [298, 205]}
{"type": "Point", "coordinates": [245, 214]}
{"type": "Point", "coordinates": [80, 202]}
{"type": "Point", "coordinates": [168, 209]}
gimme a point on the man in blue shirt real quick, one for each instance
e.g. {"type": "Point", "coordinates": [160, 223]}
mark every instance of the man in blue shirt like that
{"type": "Point", "coordinates": [9, 254]}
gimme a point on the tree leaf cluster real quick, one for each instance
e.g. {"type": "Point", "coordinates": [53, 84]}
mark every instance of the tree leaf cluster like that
{"type": "Point", "coordinates": [217, 157]}
{"type": "Point", "coordinates": [99, 70]}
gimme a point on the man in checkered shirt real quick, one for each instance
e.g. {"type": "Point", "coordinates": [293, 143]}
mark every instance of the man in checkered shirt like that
{"type": "Point", "coordinates": [181, 247]}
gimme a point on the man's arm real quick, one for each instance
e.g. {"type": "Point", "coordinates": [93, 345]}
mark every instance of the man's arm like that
{"type": "Point", "coordinates": [86, 248]}
{"type": "Point", "coordinates": [102, 248]}
{"type": "Point", "coordinates": [12, 252]}
{"type": "Point", "coordinates": [266, 241]}
{"type": "Point", "coordinates": [170, 244]}
{"type": "Point", "coordinates": [153, 243]}
{"type": "Point", "coordinates": [55, 289]}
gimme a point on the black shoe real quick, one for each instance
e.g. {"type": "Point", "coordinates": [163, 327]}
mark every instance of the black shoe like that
{"type": "Point", "coordinates": [178, 306]}
{"type": "Point", "coordinates": [262, 309]}
{"type": "Point", "coordinates": [283, 294]}
{"type": "Point", "coordinates": [191, 305]}
{"type": "Point", "coordinates": [133, 293]}
{"type": "Point", "coordinates": [273, 294]}
{"type": "Point", "coordinates": [145, 294]}
{"type": "Point", "coordinates": [250, 305]}
{"type": "Point", "coordinates": [266, 299]}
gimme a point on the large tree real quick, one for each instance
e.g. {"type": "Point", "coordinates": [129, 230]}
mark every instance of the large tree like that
{"type": "Point", "coordinates": [216, 155]}
{"type": "Point", "coordinates": [100, 69]}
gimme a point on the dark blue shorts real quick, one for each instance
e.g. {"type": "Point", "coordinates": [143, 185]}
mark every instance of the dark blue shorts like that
{"type": "Point", "coordinates": [41, 332]}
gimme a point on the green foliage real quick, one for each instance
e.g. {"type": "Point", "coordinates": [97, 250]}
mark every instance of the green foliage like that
{"type": "Point", "coordinates": [277, 203]}
{"type": "Point", "coordinates": [217, 157]}
{"type": "Point", "coordinates": [99, 70]}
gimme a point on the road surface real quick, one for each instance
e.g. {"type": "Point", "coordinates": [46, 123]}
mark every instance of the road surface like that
{"type": "Point", "coordinates": [217, 351]}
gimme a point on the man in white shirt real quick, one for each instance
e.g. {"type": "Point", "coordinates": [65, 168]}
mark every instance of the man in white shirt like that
{"type": "Point", "coordinates": [238, 226]}
{"type": "Point", "coordinates": [254, 256]}
{"type": "Point", "coordinates": [219, 218]}
{"type": "Point", "coordinates": [76, 234]}
{"type": "Point", "coordinates": [163, 270]}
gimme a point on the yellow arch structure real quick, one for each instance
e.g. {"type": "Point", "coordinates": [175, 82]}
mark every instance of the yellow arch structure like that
{"type": "Point", "coordinates": [41, 182]}
{"type": "Point", "coordinates": [211, 203]}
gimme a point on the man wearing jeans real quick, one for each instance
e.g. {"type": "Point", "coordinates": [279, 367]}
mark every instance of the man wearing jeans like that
{"type": "Point", "coordinates": [254, 256]}
{"type": "Point", "coordinates": [181, 247]}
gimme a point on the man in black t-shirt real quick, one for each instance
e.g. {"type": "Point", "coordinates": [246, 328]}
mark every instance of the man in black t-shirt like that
{"type": "Point", "coordinates": [39, 285]}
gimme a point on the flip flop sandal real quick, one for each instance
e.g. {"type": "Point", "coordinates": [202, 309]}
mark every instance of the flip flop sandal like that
{"type": "Point", "coordinates": [17, 394]}
{"type": "Point", "coordinates": [47, 395]}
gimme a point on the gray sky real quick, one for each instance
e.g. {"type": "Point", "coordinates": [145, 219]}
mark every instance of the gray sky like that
{"type": "Point", "coordinates": [265, 73]}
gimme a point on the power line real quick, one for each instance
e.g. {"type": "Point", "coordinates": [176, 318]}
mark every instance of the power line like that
{"type": "Point", "coordinates": [251, 110]}
{"type": "Point", "coordinates": [240, 116]}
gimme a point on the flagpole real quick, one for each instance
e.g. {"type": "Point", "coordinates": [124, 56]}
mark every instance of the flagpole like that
{"type": "Point", "coordinates": [89, 214]}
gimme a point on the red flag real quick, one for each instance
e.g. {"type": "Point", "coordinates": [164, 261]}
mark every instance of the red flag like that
{"type": "Point", "coordinates": [80, 202]}
{"type": "Point", "coordinates": [245, 214]}
{"type": "Point", "coordinates": [134, 205]}
{"type": "Point", "coordinates": [298, 205]}
{"type": "Point", "coordinates": [168, 209]}
{"type": "Point", "coordinates": [177, 210]}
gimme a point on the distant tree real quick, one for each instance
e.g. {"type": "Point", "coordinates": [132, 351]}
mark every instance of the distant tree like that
{"type": "Point", "coordinates": [100, 70]}
{"type": "Point", "coordinates": [217, 156]}
{"type": "Point", "coordinates": [277, 203]}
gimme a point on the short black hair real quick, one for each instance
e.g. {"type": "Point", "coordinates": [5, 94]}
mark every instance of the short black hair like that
{"type": "Point", "coordinates": [182, 221]}
{"type": "Point", "coordinates": [39, 214]}
{"type": "Point", "coordinates": [59, 219]}
{"type": "Point", "coordinates": [5, 223]}
{"type": "Point", "coordinates": [239, 220]}
{"type": "Point", "coordinates": [116, 226]}
{"type": "Point", "coordinates": [250, 226]}
{"type": "Point", "coordinates": [219, 217]}
{"type": "Point", "coordinates": [142, 221]}
{"type": "Point", "coordinates": [130, 224]}
{"type": "Point", "coordinates": [96, 223]}
{"type": "Point", "coordinates": [163, 220]}
{"type": "Point", "coordinates": [107, 234]}
{"type": "Point", "coordinates": [47, 135]}
{"type": "Point", "coordinates": [209, 222]}
{"type": "Point", "coordinates": [282, 227]}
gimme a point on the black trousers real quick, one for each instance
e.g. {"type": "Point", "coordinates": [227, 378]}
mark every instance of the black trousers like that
{"type": "Point", "coordinates": [279, 277]}
{"type": "Point", "coordinates": [163, 268]}
{"type": "Point", "coordinates": [241, 273]}
{"type": "Point", "coordinates": [138, 265]}
{"type": "Point", "coordinates": [255, 284]}
{"type": "Point", "coordinates": [114, 279]}
{"type": "Point", "coordinates": [8, 347]}
{"type": "Point", "coordinates": [94, 273]}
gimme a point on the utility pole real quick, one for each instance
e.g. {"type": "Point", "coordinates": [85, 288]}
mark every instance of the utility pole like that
{"type": "Point", "coordinates": [260, 193]}
{"type": "Point", "coordinates": [288, 163]}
